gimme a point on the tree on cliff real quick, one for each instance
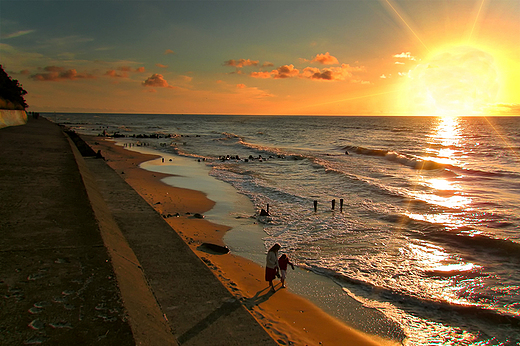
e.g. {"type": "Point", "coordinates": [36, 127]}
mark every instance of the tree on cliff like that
{"type": "Point", "coordinates": [11, 92]}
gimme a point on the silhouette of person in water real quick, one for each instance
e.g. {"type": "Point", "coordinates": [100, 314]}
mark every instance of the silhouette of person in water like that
{"type": "Point", "coordinates": [271, 265]}
{"type": "Point", "coordinates": [283, 261]}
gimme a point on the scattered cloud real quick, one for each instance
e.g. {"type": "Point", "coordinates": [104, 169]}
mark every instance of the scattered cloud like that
{"type": "Point", "coordinates": [17, 34]}
{"type": "Point", "coordinates": [168, 51]}
{"type": "Point", "coordinates": [157, 80]}
{"type": "Point", "coordinates": [113, 73]}
{"type": "Point", "coordinates": [284, 71]}
{"type": "Point", "coordinates": [343, 72]}
{"type": "Point", "coordinates": [161, 65]}
{"type": "Point", "coordinates": [55, 73]}
{"type": "Point", "coordinates": [325, 59]}
{"type": "Point", "coordinates": [263, 75]}
{"type": "Point", "coordinates": [241, 63]}
{"type": "Point", "coordinates": [405, 55]}
{"type": "Point", "coordinates": [241, 86]}
{"type": "Point", "coordinates": [125, 71]}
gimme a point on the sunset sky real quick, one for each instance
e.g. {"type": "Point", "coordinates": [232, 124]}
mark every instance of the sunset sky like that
{"type": "Point", "coordinates": [377, 57]}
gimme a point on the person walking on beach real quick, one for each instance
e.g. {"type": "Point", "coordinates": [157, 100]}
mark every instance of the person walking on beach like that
{"type": "Point", "coordinates": [283, 261]}
{"type": "Point", "coordinates": [271, 265]}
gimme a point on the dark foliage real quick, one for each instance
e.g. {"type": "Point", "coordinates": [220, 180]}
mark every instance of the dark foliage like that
{"type": "Point", "coordinates": [11, 92]}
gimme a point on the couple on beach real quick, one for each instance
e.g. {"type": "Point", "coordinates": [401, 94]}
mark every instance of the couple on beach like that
{"type": "Point", "coordinates": [274, 264]}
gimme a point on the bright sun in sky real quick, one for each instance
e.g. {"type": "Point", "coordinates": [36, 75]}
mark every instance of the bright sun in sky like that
{"type": "Point", "coordinates": [457, 81]}
{"type": "Point", "coordinates": [370, 57]}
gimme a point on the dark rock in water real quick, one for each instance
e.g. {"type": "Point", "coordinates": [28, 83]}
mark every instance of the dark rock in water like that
{"type": "Point", "coordinates": [198, 216]}
{"type": "Point", "coordinates": [215, 248]}
{"type": "Point", "coordinates": [264, 213]}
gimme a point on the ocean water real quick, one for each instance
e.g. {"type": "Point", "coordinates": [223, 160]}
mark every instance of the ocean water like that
{"type": "Point", "coordinates": [426, 222]}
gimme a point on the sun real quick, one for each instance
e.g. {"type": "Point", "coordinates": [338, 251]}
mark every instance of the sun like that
{"type": "Point", "coordinates": [460, 80]}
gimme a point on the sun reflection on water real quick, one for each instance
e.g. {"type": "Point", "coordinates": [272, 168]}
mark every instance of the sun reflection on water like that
{"type": "Point", "coordinates": [445, 146]}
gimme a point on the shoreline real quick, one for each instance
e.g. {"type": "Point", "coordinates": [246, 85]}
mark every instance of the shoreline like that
{"type": "Point", "coordinates": [287, 317]}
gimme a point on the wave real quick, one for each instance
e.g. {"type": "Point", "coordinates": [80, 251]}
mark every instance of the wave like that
{"type": "Point", "coordinates": [430, 165]}
{"type": "Point", "coordinates": [485, 245]}
{"type": "Point", "coordinates": [403, 159]}
{"type": "Point", "coordinates": [418, 305]}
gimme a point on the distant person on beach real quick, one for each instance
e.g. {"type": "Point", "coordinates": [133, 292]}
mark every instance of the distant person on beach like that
{"type": "Point", "coordinates": [283, 261]}
{"type": "Point", "coordinates": [271, 265]}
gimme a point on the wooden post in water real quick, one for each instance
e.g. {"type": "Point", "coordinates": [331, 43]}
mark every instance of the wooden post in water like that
{"type": "Point", "coordinates": [341, 205]}
{"type": "Point", "coordinates": [333, 204]}
{"type": "Point", "coordinates": [315, 206]}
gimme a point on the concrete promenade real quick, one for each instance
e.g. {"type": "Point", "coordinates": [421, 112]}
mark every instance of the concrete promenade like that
{"type": "Point", "coordinates": [85, 260]}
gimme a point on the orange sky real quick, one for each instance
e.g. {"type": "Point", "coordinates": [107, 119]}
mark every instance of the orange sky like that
{"type": "Point", "coordinates": [374, 57]}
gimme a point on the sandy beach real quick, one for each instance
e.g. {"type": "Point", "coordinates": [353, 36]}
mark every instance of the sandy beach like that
{"type": "Point", "coordinates": [287, 317]}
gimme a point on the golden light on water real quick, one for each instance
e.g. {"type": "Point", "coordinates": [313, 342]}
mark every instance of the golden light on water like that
{"type": "Point", "coordinates": [443, 143]}
{"type": "Point", "coordinates": [438, 190]}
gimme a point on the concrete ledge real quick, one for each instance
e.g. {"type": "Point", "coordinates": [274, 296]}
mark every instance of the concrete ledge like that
{"type": "Point", "coordinates": [147, 321]}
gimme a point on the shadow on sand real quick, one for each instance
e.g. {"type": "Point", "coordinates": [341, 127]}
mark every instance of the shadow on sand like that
{"type": "Point", "coordinates": [260, 297]}
{"type": "Point", "coordinates": [228, 307]}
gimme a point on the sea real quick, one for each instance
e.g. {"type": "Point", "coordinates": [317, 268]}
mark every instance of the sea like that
{"type": "Point", "coordinates": [417, 218]}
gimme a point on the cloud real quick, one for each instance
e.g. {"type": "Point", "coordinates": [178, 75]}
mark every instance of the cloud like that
{"type": "Point", "coordinates": [113, 73]}
{"type": "Point", "coordinates": [263, 75]}
{"type": "Point", "coordinates": [157, 80]}
{"type": "Point", "coordinates": [325, 59]}
{"type": "Point", "coordinates": [17, 34]}
{"type": "Point", "coordinates": [55, 73]}
{"type": "Point", "coordinates": [284, 71]}
{"type": "Point", "coordinates": [404, 55]}
{"type": "Point", "coordinates": [241, 63]}
{"type": "Point", "coordinates": [343, 72]}
{"type": "Point", "coordinates": [125, 71]}
{"type": "Point", "coordinates": [161, 65]}
{"type": "Point", "coordinates": [168, 51]}
{"type": "Point", "coordinates": [241, 86]}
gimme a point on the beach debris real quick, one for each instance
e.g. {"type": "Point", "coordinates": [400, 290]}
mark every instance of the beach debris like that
{"type": "Point", "coordinates": [214, 248]}
{"type": "Point", "coordinates": [263, 212]}
{"type": "Point", "coordinates": [166, 216]}
{"type": "Point", "coordinates": [198, 216]}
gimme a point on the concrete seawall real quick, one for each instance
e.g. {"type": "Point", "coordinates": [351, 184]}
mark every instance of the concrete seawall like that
{"type": "Point", "coordinates": [86, 260]}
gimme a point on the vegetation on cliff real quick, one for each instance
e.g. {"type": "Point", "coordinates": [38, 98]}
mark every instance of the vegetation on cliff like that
{"type": "Point", "coordinates": [11, 92]}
